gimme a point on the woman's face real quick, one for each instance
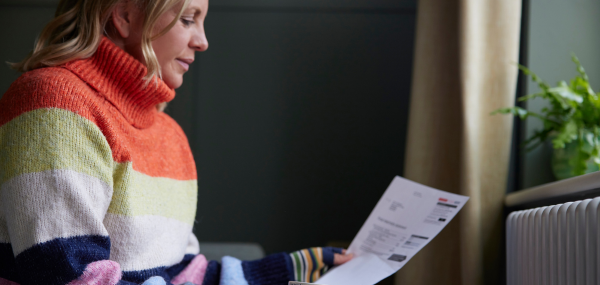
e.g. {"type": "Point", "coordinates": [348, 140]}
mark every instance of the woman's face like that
{"type": "Point", "coordinates": [175, 49]}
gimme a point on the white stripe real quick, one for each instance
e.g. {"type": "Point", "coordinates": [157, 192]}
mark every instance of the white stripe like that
{"type": "Point", "coordinates": [303, 266]}
{"type": "Point", "coordinates": [306, 273]}
{"type": "Point", "coordinates": [294, 266]}
{"type": "Point", "coordinates": [52, 204]}
{"type": "Point", "coordinates": [193, 246]}
{"type": "Point", "coordinates": [145, 242]}
{"type": "Point", "coordinates": [320, 254]}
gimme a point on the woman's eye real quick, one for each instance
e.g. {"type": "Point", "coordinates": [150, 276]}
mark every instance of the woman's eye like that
{"type": "Point", "coordinates": [186, 22]}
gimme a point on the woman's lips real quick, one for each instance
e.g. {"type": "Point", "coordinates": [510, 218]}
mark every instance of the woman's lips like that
{"type": "Point", "coordinates": [185, 63]}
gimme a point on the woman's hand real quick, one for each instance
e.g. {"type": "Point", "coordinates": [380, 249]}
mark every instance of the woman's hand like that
{"type": "Point", "coordinates": [341, 258]}
{"type": "Point", "coordinates": [309, 264]}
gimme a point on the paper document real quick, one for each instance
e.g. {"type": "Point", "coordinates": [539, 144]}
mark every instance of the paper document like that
{"type": "Point", "coordinates": [406, 218]}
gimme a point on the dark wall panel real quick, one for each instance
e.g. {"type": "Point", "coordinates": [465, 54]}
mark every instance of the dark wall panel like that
{"type": "Point", "coordinates": [297, 120]}
{"type": "Point", "coordinates": [20, 25]}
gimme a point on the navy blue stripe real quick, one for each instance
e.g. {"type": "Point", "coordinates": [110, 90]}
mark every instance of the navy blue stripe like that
{"type": "Point", "coordinates": [212, 276]}
{"type": "Point", "coordinates": [122, 282]}
{"type": "Point", "coordinates": [315, 266]}
{"type": "Point", "coordinates": [164, 272]}
{"type": "Point", "coordinates": [271, 270]}
{"type": "Point", "coordinates": [143, 275]}
{"type": "Point", "coordinates": [8, 269]}
{"type": "Point", "coordinates": [60, 260]}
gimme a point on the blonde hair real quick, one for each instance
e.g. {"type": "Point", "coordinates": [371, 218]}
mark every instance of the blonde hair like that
{"type": "Point", "coordinates": [78, 26]}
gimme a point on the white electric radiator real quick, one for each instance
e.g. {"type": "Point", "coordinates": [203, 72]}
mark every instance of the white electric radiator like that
{"type": "Point", "coordinates": [554, 245]}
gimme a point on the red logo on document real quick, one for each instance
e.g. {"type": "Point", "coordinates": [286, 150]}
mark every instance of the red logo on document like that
{"type": "Point", "coordinates": [443, 200]}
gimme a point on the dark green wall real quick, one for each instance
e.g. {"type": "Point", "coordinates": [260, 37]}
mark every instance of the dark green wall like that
{"type": "Point", "coordinates": [296, 114]}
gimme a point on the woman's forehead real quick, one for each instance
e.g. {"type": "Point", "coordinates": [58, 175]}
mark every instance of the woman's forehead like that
{"type": "Point", "coordinates": [197, 6]}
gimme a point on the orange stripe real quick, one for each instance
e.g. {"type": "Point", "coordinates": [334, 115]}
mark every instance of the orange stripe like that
{"type": "Point", "coordinates": [56, 87]}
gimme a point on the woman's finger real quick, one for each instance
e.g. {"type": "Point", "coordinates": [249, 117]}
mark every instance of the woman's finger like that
{"type": "Point", "coordinates": [341, 258]}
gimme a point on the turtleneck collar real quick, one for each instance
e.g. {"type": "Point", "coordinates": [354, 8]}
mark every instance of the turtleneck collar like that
{"type": "Point", "coordinates": [118, 76]}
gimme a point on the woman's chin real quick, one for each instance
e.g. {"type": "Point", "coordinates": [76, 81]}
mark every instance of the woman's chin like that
{"type": "Point", "coordinates": [173, 82]}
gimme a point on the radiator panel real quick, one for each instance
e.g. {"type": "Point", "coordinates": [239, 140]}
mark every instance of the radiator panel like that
{"type": "Point", "coordinates": [554, 245]}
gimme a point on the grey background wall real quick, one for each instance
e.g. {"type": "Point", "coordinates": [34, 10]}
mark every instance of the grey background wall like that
{"type": "Point", "coordinates": [296, 114]}
{"type": "Point", "coordinates": [557, 28]}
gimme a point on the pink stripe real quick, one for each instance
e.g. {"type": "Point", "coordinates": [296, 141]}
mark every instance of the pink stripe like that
{"type": "Point", "coordinates": [7, 282]}
{"type": "Point", "coordinates": [104, 272]}
{"type": "Point", "coordinates": [194, 272]}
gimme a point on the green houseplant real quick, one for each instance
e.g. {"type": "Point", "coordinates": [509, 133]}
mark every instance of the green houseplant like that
{"type": "Point", "coordinates": [571, 123]}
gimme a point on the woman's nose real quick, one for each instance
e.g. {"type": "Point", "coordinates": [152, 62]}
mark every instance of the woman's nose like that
{"type": "Point", "coordinates": [199, 41]}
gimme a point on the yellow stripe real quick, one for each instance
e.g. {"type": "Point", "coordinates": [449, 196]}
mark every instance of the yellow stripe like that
{"type": "Point", "coordinates": [52, 139]}
{"type": "Point", "coordinates": [309, 264]}
{"type": "Point", "coordinates": [137, 194]}
{"type": "Point", "coordinates": [319, 257]}
{"type": "Point", "coordinates": [46, 139]}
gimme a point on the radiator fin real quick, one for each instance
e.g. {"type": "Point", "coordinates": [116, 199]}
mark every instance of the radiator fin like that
{"type": "Point", "coordinates": [554, 245]}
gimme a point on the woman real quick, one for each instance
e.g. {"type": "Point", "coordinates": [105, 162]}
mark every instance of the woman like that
{"type": "Point", "coordinates": [98, 185]}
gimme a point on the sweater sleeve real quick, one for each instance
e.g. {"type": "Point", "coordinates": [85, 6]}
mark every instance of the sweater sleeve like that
{"type": "Point", "coordinates": [276, 269]}
{"type": "Point", "coordinates": [273, 269]}
{"type": "Point", "coordinates": [56, 187]}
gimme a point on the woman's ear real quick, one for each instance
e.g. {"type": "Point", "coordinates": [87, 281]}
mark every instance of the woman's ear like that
{"type": "Point", "coordinates": [122, 18]}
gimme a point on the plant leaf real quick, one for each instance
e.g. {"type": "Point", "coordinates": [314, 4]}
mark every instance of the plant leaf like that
{"type": "Point", "coordinates": [564, 91]}
{"type": "Point", "coordinates": [566, 134]}
{"type": "Point", "coordinates": [534, 77]}
{"type": "Point", "coordinates": [579, 67]}
{"type": "Point", "coordinates": [517, 111]}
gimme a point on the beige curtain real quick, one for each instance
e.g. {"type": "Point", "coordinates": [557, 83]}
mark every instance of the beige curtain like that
{"type": "Point", "coordinates": [464, 68]}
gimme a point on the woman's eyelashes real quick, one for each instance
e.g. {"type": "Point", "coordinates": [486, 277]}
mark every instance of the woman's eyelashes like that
{"type": "Point", "coordinates": [187, 22]}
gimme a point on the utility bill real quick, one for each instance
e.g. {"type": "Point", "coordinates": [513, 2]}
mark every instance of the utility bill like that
{"type": "Point", "coordinates": [406, 218]}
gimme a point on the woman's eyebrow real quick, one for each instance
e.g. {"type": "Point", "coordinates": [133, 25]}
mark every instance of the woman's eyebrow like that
{"type": "Point", "coordinates": [193, 10]}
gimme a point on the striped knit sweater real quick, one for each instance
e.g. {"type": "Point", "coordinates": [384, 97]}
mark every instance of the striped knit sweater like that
{"type": "Point", "coordinates": [98, 187]}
